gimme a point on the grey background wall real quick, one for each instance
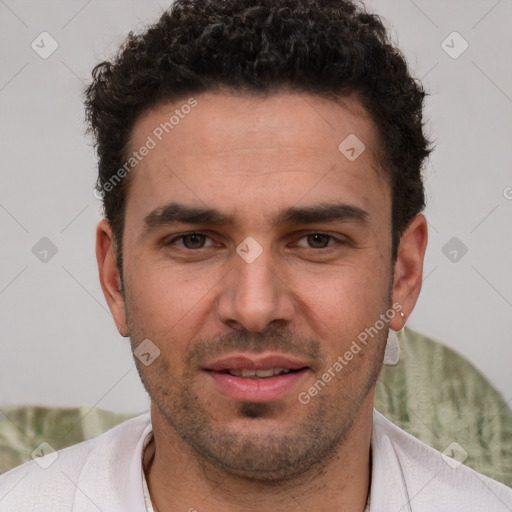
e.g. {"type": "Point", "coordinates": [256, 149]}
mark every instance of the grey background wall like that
{"type": "Point", "coordinates": [58, 343]}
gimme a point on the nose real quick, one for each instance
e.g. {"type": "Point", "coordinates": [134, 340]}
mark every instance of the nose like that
{"type": "Point", "coordinates": [255, 295]}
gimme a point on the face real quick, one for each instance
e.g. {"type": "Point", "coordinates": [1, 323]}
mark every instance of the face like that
{"type": "Point", "coordinates": [255, 253]}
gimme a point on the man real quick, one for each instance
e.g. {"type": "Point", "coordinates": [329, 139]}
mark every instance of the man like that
{"type": "Point", "coordinates": [260, 167]}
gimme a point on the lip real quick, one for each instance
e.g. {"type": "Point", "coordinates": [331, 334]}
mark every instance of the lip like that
{"type": "Point", "coordinates": [256, 390]}
{"type": "Point", "coordinates": [255, 362]}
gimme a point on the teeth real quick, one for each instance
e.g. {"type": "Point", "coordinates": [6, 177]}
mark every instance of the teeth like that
{"type": "Point", "coordinates": [265, 373]}
{"type": "Point", "coordinates": [277, 371]}
{"type": "Point", "coordinates": [262, 374]}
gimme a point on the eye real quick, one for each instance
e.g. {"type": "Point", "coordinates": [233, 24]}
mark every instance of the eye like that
{"type": "Point", "coordinates": [191, 240]}
{"type": "Point", "coordinates": [316, 240]}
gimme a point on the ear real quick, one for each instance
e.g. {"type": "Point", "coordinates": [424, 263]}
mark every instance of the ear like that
{"type": "Point", "coordinates": [109, 275]}
{"type": "Point", "coordinates": [408, 271]}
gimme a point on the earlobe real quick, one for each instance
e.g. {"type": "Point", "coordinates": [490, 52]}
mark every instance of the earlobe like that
{"type": "Point", "coordinates": [408, 271]}
{"type": "Point", "coordinates": [109, 274]}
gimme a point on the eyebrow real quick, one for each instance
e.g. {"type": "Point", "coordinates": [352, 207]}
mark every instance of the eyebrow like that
{"type": "Point", "coordinates": [329, 212]}
{"type": "Point", "coordinates": [174, 213]}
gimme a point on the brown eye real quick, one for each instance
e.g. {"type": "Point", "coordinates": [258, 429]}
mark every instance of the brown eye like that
{"type": "Point", "coordinates": [194, 240]}
{"type": "Point", "coordinates": [318, 240]}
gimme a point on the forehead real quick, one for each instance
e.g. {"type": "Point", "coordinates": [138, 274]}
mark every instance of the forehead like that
{"type": "Point", "coordinates": [235, 152]}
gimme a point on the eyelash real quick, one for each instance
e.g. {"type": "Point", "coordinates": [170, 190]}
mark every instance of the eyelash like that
{"type": "Point", "coordinates": [181, 237]}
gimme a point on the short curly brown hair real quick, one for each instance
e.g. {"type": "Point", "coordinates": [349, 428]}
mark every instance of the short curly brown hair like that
{"type": "Point", "coordinates": [331, 48]}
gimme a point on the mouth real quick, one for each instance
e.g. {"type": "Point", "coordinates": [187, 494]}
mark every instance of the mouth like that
{"type": "Point", "coordinates": [258, 374]}
{"type": "Point", "coordinates": [256, 377]}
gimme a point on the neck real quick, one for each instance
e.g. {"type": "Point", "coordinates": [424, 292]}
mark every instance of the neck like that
{"type": "Point", "coordinates": [179, 480]}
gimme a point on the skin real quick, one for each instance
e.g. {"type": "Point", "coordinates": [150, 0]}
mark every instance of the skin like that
{"type": "Point", "coordinates": [251, 157]}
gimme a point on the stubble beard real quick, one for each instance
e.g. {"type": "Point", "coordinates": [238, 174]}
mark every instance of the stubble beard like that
{"type": "Point", "coordinates": [270, 456]}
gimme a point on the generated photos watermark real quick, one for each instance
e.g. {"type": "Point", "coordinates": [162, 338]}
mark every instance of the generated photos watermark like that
{"type": "Point", "coordinates": [341, 361]}
{"type": "Point", "coordinates": [157, 135]}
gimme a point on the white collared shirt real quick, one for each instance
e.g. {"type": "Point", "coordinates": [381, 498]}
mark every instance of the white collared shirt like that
{"type": "Point", "coordinates": [106, 474]}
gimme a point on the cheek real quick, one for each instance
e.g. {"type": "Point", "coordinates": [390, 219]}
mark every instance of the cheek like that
{"type": "Point", "coordinates": [346, 304]}
{"type": "Point", "coordinates": [164, 300]}
{"type": "Point", "coordinates": [355, 286]}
